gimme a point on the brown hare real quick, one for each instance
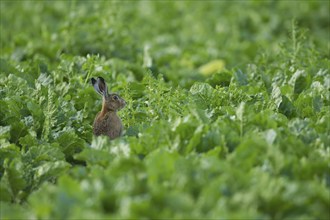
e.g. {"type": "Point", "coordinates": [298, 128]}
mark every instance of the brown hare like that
{"type": "Point", "coordinates": [107, 121]}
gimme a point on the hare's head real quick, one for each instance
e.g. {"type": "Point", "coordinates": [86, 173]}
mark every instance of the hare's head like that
{"type": "Point", "coordinates": [111, 101]}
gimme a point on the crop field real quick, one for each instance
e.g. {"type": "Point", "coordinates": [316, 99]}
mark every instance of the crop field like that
{"type": "Point", "coordinates": [227, 114]}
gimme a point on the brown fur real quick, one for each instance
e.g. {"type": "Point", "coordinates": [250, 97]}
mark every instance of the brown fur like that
{"type": "Point", "coordinates": [107, 121]}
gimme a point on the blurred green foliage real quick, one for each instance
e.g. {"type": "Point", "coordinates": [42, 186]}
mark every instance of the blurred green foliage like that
{"type": "Point", "coordinates": [227, 110]}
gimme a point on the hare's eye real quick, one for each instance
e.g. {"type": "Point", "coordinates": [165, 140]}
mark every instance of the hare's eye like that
{"type": "Point", "coordinates": [115, 97]}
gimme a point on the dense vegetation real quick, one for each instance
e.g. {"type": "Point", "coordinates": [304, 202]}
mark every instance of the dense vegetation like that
{"type": "Point", "coordinates": [227, 114]}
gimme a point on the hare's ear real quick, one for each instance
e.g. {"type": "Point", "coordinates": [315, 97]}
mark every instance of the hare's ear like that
{"type": "Point", "coordinates": [100, 86]}
{"type": "Point", "coordinates": [96, 86]}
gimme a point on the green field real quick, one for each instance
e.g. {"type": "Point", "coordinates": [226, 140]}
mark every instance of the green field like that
{"type": "Point", "coordinates": [227, 115]}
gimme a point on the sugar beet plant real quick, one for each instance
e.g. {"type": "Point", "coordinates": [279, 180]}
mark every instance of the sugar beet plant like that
{"type": "Point", "coordinates": [227, 116]}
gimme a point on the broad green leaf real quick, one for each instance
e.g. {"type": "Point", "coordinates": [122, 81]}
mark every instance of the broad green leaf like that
{"type": "Point", "coordinates": [6, 67]}
{"type": "Point", "coordinates": [195, 140]}
{"type": "Point", "coordinates": [300, 84]}
{"type": "Point", "coordinates": [14, 211]}
{"type": "Point", "coordinates": [317, 103]}
{"type": "Point", "coordinates": [222, 78]}
{"type": "Point", "coordinates": [94, 157]}
{"type": "Point", "coordinates": [38, 155]}
{"type": "Point", "coordinates": [70, 143]}
{"type": "Point", "coordinates": [286, 107]}
{"type": "Point", "coordinates": [17, 130]}
{"type": "Point", "coordinates": [50, 170]}
{"type": "Point", "coordinates": [160, 159]}
{"type": "Point", "coordinates": [270, 136]}
{"type": "Point", "coordinates": [28, 141]}
{"type": "Point", "coordinates": [241, 78]}
{"type": "Point", "coordinates": [276, 96]}
{"type": "Point", "coordinates": [201, 89]}
{"type": "Point", "coordinates": [298, 81]}
{"type": "Point", "coordinates": [249, 153]}
{"type": "Point", "coordinates": [5, 192]}
{"type": "Point", "coordinates": [202, 93]}
{"type": "Point", "coordinates": [5, 132]}
{"type": "Point", "coordinates": [13, 178]}
{"type": "Point", "coordinates": [136, 89]}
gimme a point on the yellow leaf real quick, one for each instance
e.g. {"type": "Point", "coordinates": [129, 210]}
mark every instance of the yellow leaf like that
{"type": "Point", "coordinates": [212, 67]}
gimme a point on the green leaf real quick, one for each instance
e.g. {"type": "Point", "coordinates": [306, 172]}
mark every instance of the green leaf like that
{"type": "Point", "coordinates": [50, 170]}
{"type": "Point", "coordinates": [241, 78]}
{"type": "Point", "coordinates": [14, 211]}
{"type": "Point", "coordinates": [49, 111]}
{"type": "Point", "coordinates": [270, 136]}
{"type": "Point", "coordinates": [249, 153]}
{"type": "Point", "coordinates": [94, 157]}
{"type": "Point", "coordinates": [240, 111]}
{"type": "Point", "coordinates": [5, 192]}
{"type": "Point", "coordinates": [8, 152]}
{"type": "Point", "coordinates": [300, 84]}
{"type": "Point", "coordinates": [136, 89]}
{"type": "Point", "coordinates": [35, 109]}
{"type": "Point", "coordinates": [201, 89]}
{"type": "Point", "coordinates": [6, 67]}
{"type": "Point", "coordinates": [5, 132]}
{"type": "Point", "coordinates": [160, 159]}
{"type": "Point", "coordinates": [202, 92]}
{"type": "Point", "coordinates": [70, 143]}
{"type": "Point", "coordinates": [195, 140]}
{"type": "Point", "coordinates": [28, 141]}
{"type": "Point", "coordinates": [17, 130]}
{"type": "Point", "coordinates": [13, 178]}
{"type": "Point", "coordinates": [222, 78]}
{"type": "Point", "coordinates": [276, 96]}
{"type": "Point", "coordinates": [317, 103]}
{"type": "Point", "coordinates": [298, 81]}
{"type": "Point", "coordinates": [37, 155]}
{"type": "Point", "coordinates": [286, 107]}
